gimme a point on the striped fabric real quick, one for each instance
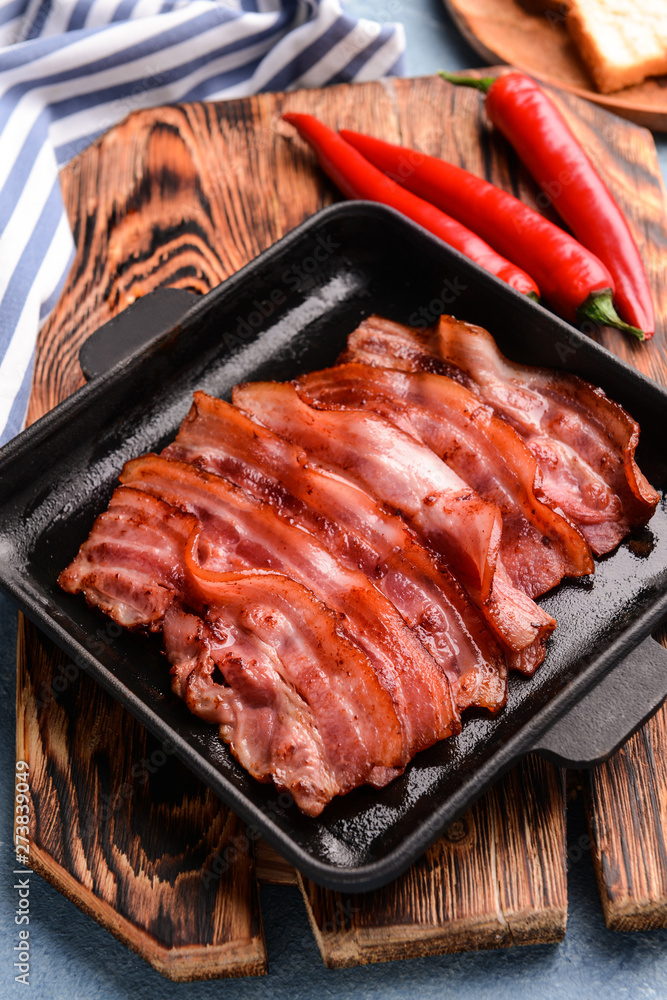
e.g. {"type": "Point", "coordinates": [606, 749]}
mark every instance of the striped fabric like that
{"type": "Point", "coordinates": [69, 69]}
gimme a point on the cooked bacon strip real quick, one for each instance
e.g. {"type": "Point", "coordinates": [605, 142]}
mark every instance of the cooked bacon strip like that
{"type": "Point", "coordinates": [584, 443]}
{"type": "Point", "coordinates": [217, 437]}
{"type": "Point", "coordinates": [262, 718]}
{"type": "Point", "coordinates": [403, 473]}
{"type": "Point", "coordinates": [521, 625]}
{"type": "Point", "coordinates": [398, 470]}
{"type": "Point", "coordinates": [329, 671]}
{"type": "Point", "coordinates": [240, 532]}
{"type": "Point", "coordinates": [538, 546]}
{"type": "Point", "coordinates": [380, 341]}
{"type": "Point", "coordinates": [131, 565]}
{"type": "Point", "coordinates": [301, 703]}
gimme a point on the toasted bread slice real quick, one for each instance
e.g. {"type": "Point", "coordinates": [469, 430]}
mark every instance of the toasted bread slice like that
{"type": "Point", "coordinates": [621, 41]}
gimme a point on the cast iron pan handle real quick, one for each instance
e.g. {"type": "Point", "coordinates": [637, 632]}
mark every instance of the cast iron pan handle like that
{"type": "Point", "coordinates": [600, 722]}
{"type": "Point", "coordinates": [135, 327]}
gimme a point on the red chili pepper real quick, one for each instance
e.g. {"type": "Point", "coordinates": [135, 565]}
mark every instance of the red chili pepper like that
{"type": "Point", "coordinates": [357, 178]}
{"type": "Point", "coordinates": [571, 278]}
{"type": "Point", "coordinates": [545, 143]}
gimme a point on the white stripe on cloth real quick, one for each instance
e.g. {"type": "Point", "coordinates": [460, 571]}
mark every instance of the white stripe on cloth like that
{"type": "Point", "coordinates": [24, 218]}
{"type": "Point", "coordinates": [383, 62]}
{"type": "Point", "coordinates": [84, 48]}
{"type": "Point", "coordinates": [281, 56]}
{"type": "Point", "coordinates": [9, 31]}
{"type": "Point", "coordinates": [18, 358]}
{"type": "Point", "coordinates": [69, 69]}
{"type": "Point", "coordinates": [337, 58]}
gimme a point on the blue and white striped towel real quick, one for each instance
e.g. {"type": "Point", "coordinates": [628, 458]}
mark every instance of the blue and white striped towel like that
{"type": "Point", "coordinates": [69, 69]}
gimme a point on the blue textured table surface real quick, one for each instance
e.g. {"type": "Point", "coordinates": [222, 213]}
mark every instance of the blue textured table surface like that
{"type": "Point", "coordinates": [72, 957]}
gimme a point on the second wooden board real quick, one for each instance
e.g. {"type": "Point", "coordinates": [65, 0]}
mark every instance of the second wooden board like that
{"type": "Point", "coordinates": [503, 31]}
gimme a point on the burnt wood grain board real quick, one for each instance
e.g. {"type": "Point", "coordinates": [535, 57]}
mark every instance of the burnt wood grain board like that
{"type": "Point", "coordinates": [184, 196]}
{"type": "Point", "coordinates": [626, 801]}
{"type": "Point", "coordinates": [124, 830]}
{"type": "Point", "coordinates": [496, 878]}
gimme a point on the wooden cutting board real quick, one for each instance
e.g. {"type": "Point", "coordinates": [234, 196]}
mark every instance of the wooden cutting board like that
{"type": "Point", "coordinates": [184, 196]}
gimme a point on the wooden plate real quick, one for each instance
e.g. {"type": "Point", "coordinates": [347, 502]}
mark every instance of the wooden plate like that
{"type": "Point", "coordinates": [502, 31]}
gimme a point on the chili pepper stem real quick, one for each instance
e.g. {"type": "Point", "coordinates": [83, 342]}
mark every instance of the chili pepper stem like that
{"type": "Point", "coordinates": [468, 81]}
{"type": "Point", "coordinates": [600, 308]}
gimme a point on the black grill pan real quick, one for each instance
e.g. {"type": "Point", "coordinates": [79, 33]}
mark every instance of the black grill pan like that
{"type": "Point", "coordinates": [286, 313]}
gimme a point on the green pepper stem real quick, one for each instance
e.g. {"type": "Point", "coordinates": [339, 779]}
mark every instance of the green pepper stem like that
{"type": "Point", "coordinates": [599, 307]}
{"type": "Point", "coordinates": [483, 84]}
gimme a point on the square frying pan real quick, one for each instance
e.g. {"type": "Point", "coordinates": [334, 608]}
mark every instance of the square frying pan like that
{"type": "Point", "coordinates": [286, 313]}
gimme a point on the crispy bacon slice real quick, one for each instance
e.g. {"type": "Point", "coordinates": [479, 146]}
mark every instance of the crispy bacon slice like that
{"type": "Point", "coordinates": [404, 474]}
{"type": "Point", "coordinates": [131, 565]}
{"type": "Point", "coordinates": [297, 701]}
{"type": "Point", "coordinates": [584, 443]}
{"type": "Point", "coordinates": [217, 437]}
{"type": "Point", "coordinates": [240, 532]}
{"type": "Point", "coordinates": [538, 546]}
